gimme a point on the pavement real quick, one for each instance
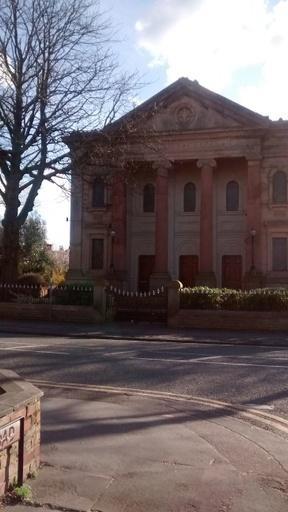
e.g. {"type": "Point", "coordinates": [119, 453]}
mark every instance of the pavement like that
{"type": "Point", "coordinates": [124, 453]}
{"type": "Point", "coordinates": [112, 449]}
{"type": "Point", "coordinates": [144, 331]}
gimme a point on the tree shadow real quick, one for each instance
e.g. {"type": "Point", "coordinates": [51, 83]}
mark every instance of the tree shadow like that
{"type": "Point", "coordinates": [64, 420]}
{"type": "Point", "coordinates": [94, 365]}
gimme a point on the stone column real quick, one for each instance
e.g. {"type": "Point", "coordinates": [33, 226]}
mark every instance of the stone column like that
{"type": "Point", "coordinates": [161, 275]}
{"type": "Point", "coordinates": [75, 271]}
{"type": "Point", "coordinates": [206, 271]}
{"type": "Point", "coordinates": [173, 289]}
{"type": "Point", "coordinates": [253, 277]}
{"type": "Point", "coordinates": [119, 229]}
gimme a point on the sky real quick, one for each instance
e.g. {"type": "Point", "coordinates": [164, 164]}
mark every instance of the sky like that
{"type": "Point", "coordinates": [237, 48]}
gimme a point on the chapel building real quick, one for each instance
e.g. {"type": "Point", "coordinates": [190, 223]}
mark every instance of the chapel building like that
{"type": "Point", "coordinates": [188, 186]}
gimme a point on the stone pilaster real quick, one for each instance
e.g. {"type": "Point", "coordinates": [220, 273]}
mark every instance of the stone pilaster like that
{"type": "Point", "coordinates": [253, 265]}
{"type": "Point", "coordinates": [206, 274]}
{"type": "Point", "coordinates": [161, 275]}
{"type": "Point", "coordinates": [118, 241]}
{"type": "Point", "coordinates": [76, 212]}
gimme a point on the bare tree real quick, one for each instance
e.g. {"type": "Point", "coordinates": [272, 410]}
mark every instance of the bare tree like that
{"type": "Point", "coordinates": [57, 74]}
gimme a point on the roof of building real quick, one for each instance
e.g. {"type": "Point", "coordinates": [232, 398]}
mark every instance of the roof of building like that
{"type": "Point", "coordinates": [184, 87]}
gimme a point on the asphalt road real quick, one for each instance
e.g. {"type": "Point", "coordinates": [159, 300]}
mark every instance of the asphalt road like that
{"type": "Point", "coordinates": [246, 375]}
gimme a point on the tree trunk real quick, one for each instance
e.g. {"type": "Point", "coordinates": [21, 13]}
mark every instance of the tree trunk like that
{"type": "Point", "coordinates": [10, 252]}
{"type": "Point", "coordinates": [11, 232]}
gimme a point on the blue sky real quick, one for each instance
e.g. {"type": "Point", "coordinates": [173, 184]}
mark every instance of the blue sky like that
{"type": "Point", "coordinates": [237, 48]}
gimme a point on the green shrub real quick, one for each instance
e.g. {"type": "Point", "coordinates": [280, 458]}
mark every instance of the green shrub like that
{"type": "Point", "coordinates": [31, 278]}
{"type": "Point", "coordinates": [263, 299]}
{"type": "Point", "coordinates": [230, 299]}
{"type": "Point", "coordinates": [200, 297]}
{"type": "Point", "coordinates": [20, 494]}
{"type": "Point", "coordinates": [30, 285]}
{"type": "Point", "coordinates": [266, 300]}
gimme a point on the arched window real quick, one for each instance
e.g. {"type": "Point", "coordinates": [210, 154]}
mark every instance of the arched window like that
{"type": "Point", "coordinates": [279, 187]}
{"type": "Point", "coordinates": [149, 198]}
{"type": "Point", "coordinates": [232, 196]}
{"type": "Point", "coordinates": [189, 197]}
{"type": "Point", "coordinates": [98, 193]}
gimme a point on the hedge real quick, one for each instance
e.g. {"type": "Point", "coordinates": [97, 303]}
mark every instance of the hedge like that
{"type": "Point", "coordinates": [263, 299]}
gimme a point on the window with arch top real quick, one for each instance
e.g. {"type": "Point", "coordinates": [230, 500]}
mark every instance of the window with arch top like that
{"type": "Point", "coordinates": [149, 198]}
{"type": "Point", "coordinates": [189, 197]}
{"type": "Point", "coordinates": [279, 187]}
{"type": "Point", "coordinates": [98, 193]}
{"type": "Point", "coordinates": [232, 196]}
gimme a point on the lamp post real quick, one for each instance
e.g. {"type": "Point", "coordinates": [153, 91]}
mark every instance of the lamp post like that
{"type": "Point", "coordinates": [253, 234]}
{"type": "Point", "coordinates": [112, 234]}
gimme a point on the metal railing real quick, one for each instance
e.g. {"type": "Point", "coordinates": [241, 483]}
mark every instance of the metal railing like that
{"type": "Point", "coordinates": [128, 305]}
{"type": "Point", "coordinates": [36, 294]}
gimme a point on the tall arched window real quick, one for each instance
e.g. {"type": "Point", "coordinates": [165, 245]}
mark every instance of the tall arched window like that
{"type": "Point", "coordinates": [232, 196]}
{"type": "Point", "coordinates": [149, 198]}
{"type": "Point", "coordinates": [98, 193]}
{"type": "Point", "coordinates": [189, 197]}
{"type": "Point", "coordinates": [279, 187]}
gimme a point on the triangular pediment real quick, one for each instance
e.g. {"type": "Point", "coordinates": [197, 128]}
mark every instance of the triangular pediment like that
{"type": "Point", "coordinates": [186, 105]}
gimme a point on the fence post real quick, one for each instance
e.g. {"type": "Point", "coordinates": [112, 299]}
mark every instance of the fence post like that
{"type": "Point", "coordinates": [50, 292]}
{"type": "Point", "coordinates": [173, 290]}
{"type": "Point", "coordinates": [99, 297]}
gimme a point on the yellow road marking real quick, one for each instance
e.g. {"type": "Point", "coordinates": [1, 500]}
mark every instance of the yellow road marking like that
{"type": "Point", "coordinates": [269, 419]}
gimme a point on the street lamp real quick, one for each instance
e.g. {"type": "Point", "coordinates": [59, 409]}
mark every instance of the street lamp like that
{"type": "Point", "coordinates": [112, 234]}
{"type": "Point", "coordinates": [253, 234]}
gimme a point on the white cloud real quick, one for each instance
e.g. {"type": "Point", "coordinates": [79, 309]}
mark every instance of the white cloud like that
{"type": "Point", "coordinates": [217, 42]}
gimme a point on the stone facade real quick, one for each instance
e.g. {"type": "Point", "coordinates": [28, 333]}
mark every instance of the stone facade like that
{"type": "Point", "coordinates": [232, 232]}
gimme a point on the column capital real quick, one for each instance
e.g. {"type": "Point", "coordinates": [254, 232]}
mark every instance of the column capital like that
{"type": "Point", "coordinates": [253, 161]}
{"type": "Point", "coordinates": [253, 155]}
{"type": "Point", "coordinates": [206, 162]}
{"type": "Point", "coordinates": [162, 167]}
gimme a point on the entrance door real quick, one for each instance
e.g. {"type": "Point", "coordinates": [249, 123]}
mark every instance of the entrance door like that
{"type": "Point", "coordinates": [188, 269]}
{"type": "Point", "coordinates": [145, 269]}
{"type": "Point", "coordinates": [232, 272]}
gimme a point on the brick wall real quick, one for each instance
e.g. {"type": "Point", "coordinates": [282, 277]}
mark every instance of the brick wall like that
{"type": "Point", "coordinates": [19, 432]}
{"type": "Point", "coordinates": [230, 320]}
{"type": "Point", "coordinates": [47, 312]}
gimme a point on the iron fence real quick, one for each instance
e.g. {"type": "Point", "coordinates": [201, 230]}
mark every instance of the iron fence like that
{"type": "Point", "coordinates": [124, 304]}
{"type": "Point", "coordinates": [36, 294]}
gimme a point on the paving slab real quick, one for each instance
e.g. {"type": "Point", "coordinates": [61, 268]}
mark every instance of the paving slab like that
{"type": "Point", "coordinates": [120, 454]}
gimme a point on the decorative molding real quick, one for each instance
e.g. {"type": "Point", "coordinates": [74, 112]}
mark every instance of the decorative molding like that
{"type": "Point", "coordinates": [206, 163]}
{"type": "Point", "coordinates": [178, 148]}
{"type": "Point", "coordinates": [254, 159]}
{"type": "Point", "coordinates": [162, 167]}
{"type": "Point", "coordinates": [185, 117]}
{"type": "Point", "coordinates": [272, 170]}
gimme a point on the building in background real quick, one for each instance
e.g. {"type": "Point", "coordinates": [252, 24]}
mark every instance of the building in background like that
{"type": "Point", "coordinates": [188, 186]}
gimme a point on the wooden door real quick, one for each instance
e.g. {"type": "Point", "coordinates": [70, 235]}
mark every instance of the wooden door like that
{"type": "Point", "coordinates": [145, 269]}
{"type": "Point", "coordinates": [188, 269]}
{"type": "Point", "coordinates": [232, 272]}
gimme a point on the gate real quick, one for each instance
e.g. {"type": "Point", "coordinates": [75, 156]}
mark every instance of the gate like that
{"type": "Point", "coordinates": [142, 306]}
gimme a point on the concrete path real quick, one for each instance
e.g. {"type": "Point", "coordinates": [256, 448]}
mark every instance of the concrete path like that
{"type": "Point", "coordinates": [128, 454]}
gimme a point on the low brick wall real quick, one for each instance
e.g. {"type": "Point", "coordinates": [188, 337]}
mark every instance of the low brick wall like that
{"type": "Point", "coordinates": [230, 320]}
{"type": "Point", "coordinates": [48, 312]}
{"type": "Point", "coordinates": [19, 430]}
